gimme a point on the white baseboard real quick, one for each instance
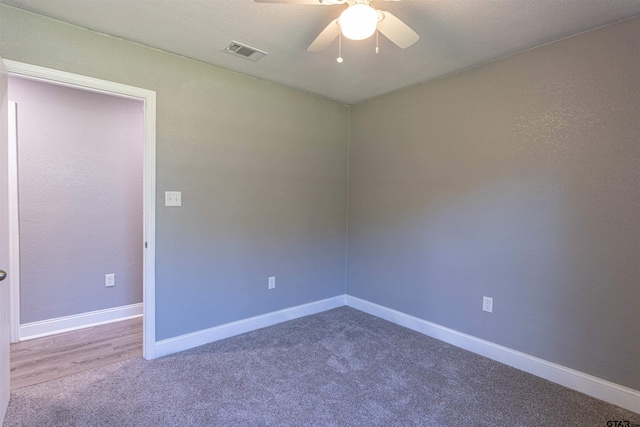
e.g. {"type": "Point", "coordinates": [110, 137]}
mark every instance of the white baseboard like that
{"type": "Point", "coordinates": [43, 328]}
{"type": "Point", "coordinates": [206, 336]}
{"type": "Point", "coordinates": [588, 384]}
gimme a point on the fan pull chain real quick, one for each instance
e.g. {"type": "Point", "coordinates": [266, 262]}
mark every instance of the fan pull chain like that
{"type": "Point", "coordinates": [377, 48]}
{"type": "Point", "coordinates": [339, 59]}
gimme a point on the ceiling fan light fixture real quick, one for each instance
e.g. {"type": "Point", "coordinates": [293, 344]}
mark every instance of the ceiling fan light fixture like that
{"type": "Point", "coordinates": [358, 22]}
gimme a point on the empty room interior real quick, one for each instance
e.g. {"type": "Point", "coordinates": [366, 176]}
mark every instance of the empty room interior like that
{"type": "Point", "coordinates": [436, 225]}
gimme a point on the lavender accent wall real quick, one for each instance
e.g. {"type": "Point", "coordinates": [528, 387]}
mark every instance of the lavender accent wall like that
{"type": "Point", "coordinates": [80, 166]}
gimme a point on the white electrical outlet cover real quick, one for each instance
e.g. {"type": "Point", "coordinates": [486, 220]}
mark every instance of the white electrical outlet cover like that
{"type": "Point", "coordinates": [173, 198]}
{"type": "Point", "coordinates": [109, 280]}
{"type": "Point", "coordinates": [487, 304]}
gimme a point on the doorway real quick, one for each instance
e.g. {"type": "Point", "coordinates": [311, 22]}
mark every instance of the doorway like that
{"type": "Point", "coordinates": [147, 242]}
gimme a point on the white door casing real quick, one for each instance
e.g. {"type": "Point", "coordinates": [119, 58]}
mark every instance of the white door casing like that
{"type": "Point", "coordinates": [14, 240]}
{"type": "Point", "coordinates": [4, 245]}
{"type": "Point", "coordinates": [149, 98]}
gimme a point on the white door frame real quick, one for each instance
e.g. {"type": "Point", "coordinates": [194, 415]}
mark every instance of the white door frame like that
{"type": "Point", "coordinates": [148, 97]}
{"type": "Point", "coordinates": [14, 236]}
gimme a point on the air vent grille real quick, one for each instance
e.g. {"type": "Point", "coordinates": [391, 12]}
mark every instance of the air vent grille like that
{"type": "Point", "coordinates": [244, 51]}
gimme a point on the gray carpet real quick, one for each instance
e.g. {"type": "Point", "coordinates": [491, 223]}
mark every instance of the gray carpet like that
{"type": "Point", "coordinates": [337, 368]}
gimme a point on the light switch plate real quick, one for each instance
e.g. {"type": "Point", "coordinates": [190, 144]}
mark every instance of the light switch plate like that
{"type": "Point", "coordinates": [172, 198]}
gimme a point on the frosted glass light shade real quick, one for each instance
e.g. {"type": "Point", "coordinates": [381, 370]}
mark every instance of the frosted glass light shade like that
{"type": "Point", "coordinates": [358, 21]}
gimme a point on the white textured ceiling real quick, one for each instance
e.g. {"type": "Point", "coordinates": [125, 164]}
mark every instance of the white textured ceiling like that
{"type": "Point", "coordinates": [455, 35]}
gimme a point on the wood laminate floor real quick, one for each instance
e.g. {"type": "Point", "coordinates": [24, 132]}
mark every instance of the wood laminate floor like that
{"type": "Point", "coordinates": [43, 359]}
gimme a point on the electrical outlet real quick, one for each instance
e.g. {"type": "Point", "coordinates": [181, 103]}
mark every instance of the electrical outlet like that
{"type": "Point", "coordinates": [173, 198]}
{"type": "Point", "coordinates": [487, 304]}
{"type": "Point", "coordinates": [272, 282]}
{"type": "Point", "coordinates": [109, 280]}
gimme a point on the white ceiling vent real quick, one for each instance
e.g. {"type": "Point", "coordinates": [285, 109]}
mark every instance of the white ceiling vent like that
{"type": "Point", "coordinates": [244, 51]}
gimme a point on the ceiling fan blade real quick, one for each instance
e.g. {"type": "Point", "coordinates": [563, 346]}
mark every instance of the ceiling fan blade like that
{"type": "Point", "coordinates": [396, 30]}
{"type": "Point", "coordinates": [325, 38]}
{"type": "Point", "coordinates": [316, 2]}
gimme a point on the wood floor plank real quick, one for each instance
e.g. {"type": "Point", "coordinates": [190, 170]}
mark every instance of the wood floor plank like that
{"type": "Point", "coordinates": [47, 358]}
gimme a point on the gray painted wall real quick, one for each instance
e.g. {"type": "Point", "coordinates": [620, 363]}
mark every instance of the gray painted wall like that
{"type": "Point", "coordinates": [518, 180]}
{"type": "Point", "coordinates": [262, 170]}
{"type": "Point", "coordinates": [80, 163]}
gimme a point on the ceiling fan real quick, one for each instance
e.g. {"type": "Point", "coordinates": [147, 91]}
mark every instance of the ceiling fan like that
{"type": "Point", "coordinates": [358, 22]}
